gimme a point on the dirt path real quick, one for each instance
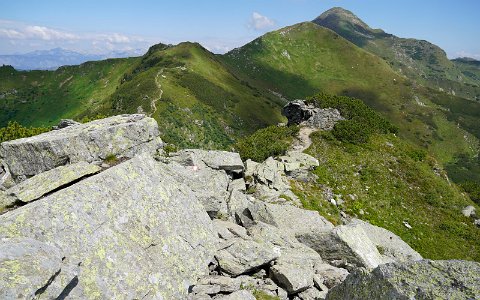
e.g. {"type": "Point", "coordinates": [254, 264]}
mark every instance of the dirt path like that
{"type": "Point", "coordinates": [303, 140]}
{"type": "Point", "coordinates": [153, 104]}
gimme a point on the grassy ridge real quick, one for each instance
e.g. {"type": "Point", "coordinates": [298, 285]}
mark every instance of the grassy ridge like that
{"type": "Point", "coordinates": [195, 98]}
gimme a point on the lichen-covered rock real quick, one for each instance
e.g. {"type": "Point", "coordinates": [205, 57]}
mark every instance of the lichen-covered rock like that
{"type": "Point", "coordinates": [240, 256]}
{"type": "Point", "coordinates": [26, 267]}
{"type": "Point", "coordinates": [312, 294]}
{"type": "Point", "coordinates": [210, 186]}
{"type": "Point", "coordinates": [44, 183]}
{"type": "Point", "coordinates": [124, 135]}
{"type": "Point", "coordinates": [219, 160]}
{"type": "Point", "coordinates": [328, 275]}
{"type": "Point", "coordinates": [423, 279]}
{"type": "Point", "coordinates": [290, 219]}
{"type": "Point", "coordinates": [388, 243]}
{"type": "Point", "coordinates": [238, 295]}
{"type": "Point", "coordinates": [133, 231]}
{"type": "Point", "coordinates": [293, 277]}
{"type": "Point", "coordinates": [345, 243]}
{"type": "Point", "coordinates": [271, 173]}
{"type": "Point", "coordinates": [295, 160]}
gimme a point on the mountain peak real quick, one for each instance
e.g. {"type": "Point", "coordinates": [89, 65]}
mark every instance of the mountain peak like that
{"type": "Point", "coordinates": [339, 14]}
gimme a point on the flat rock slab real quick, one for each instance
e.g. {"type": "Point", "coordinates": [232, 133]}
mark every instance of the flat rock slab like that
{"type": "Point", "coordinates": [133, 230]}
{"type": "Point", "coordinates": [123, 135]}
{"type": "Point", "coordinates": [44, 183]}
{"type": "Point", "coordinates": [425, 279]}
{"type": "Point", "coordinates": [26, 266]}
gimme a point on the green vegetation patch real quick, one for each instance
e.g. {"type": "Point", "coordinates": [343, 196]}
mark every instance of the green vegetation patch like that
{"type": "Point", "coordinates": [266, 142]}
{"type": "Point", "coordinates": [361, 121]}
{"type": "Point", "coordinates": [14, 131]}
{"type": "Point", "coordinates": [388, 181]}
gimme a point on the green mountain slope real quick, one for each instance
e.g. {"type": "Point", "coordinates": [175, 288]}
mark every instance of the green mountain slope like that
{"type": "Point", "coordinates": [417, 59]}
{"type": "Point", "coordinates": [194, 97]}
{"type": "Point", "coordinates": [42, 98]}
{"type": "Point", "coordinates": [300, 60]}
{"type": "Point", "coordinates": [389, 183]}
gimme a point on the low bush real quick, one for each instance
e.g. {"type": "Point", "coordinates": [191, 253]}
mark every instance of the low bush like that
{"type": "Point", "coordinates": [360, 120]}
{"type": "Point", "coordinates": [473, 190]}
{"type": "Point", "coordinates": [14, 131]}
{"type": "Point", "coordinates": [266, 142]}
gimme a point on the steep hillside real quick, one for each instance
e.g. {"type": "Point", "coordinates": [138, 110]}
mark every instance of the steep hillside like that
{"type": "Point", "coordinates": [193, 96]}
{"type": "Point", "coordinates": [42, 98]}
{"type": "Point", "coordinates": [417, 59]}
{"type": "Point", "coordinates": [470, 68]}
{"type": "Point", "coordinates": [300, 60]}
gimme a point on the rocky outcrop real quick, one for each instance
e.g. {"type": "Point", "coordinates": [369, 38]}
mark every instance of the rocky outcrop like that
{"type": "Point", "coordinates": [359, 244]}
{"type": "Point", "coordinates": [299, 112]}
{"type": "Point", "coordinates": [133, 230]}
{"type": "Point", "coordinates": [124, 135]}
{"type": "Point", "coordinates": [424, 279]}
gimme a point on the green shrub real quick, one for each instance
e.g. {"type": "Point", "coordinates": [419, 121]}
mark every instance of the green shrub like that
{"type": "Point", "coordinates": [266, 142]}
{"type": "Point", "coordinates": [90, 119]}
{"type": "Point", "coordinates": [111, 159]}
{"type": "Point", "coordinates": [14, 131]}
{"type": "Point", "coordinates": [360, 120]}
{"type": "Point", "coordinates": [473, 190]}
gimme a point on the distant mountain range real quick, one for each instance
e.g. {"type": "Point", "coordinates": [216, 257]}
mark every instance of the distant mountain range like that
{"type": "Point", "coordinates": [54, 58]}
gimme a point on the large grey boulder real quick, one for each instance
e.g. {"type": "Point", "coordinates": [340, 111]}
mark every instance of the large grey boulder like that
{"type": "Point", "coordinates": [49, 181]}
{"type": "Point", "coordinates": [124, 135]}
{"type": "Point", "coordinates": [349, 244]}
{"type": "Point", "coordinates": [26, 267]}
{"type": "Point", "coordinates": [299, 112]}
{"type": "Point", "coordinates": [210, 186]}
{"type": "Point", "coordinates": [387, 243]}
{"type": "Point", "coordinates": [360, 244]}
{"type": "Point", "coordinates": [291, 220]}
{"type": "Point", "coordinates": [239, 256]}
{"type": "Point", "coordinates": [219, 160]}
{"type": "Point", "coordinates": [133, 231]}
{"type": "Point", "coordinates": [423, 279]}
{"type": "Point", "coordinates": [294, 278]}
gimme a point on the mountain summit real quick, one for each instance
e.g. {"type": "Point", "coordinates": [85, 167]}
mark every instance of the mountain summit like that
{"type": "Point", "coordinates": [418, 60]}
{"type": "Point", "coordinates": [344, 21]}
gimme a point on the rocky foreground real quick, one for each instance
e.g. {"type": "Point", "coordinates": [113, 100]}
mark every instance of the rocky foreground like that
{"type": "Point", "coordinates": [100, 211]}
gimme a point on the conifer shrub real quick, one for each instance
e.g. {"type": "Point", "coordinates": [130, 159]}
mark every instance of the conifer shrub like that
{"type": "Point", "coordinates": [360, 120]}
{"type": "Point", "coordinates": [14, 131]}
{"type": "Point", "coordinates": [266, 142]}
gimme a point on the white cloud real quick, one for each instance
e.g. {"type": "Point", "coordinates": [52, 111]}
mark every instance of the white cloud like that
{"type": "Point", "coordinates": [47, 34]}
{"type": "Point", "coordinates": [467, 54]}
{"type": "Point", "coordinates": [24, 36]}
{"type": "Point", "coordinates": [259, 22]}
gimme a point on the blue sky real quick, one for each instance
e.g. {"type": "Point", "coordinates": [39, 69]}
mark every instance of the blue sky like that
{"type": "Point", "coordinates": [220, 25]}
